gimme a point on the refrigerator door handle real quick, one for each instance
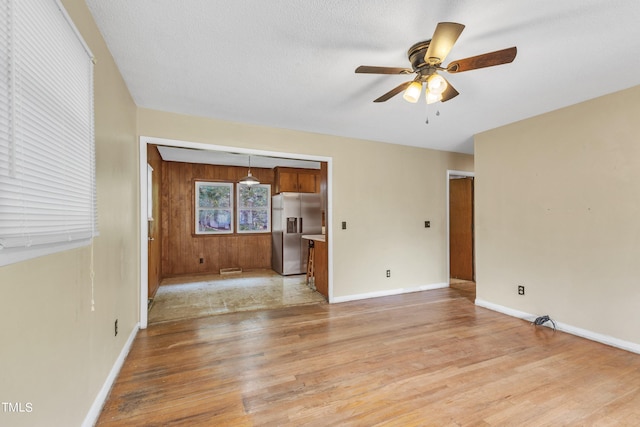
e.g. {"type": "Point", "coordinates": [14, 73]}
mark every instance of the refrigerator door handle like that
{"type": "Point", "coordinates": [300, 225]}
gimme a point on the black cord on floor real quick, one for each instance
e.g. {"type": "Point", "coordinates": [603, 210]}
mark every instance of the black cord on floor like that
{"type": "Point", "coordinates": [542, 320]}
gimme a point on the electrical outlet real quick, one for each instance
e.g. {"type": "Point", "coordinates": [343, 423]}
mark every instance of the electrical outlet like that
{"type": "Point", "coordinates": [115, 328]}
{"type": "Point", "coordinates": [201, 260]}
{"type": "Point", "coordinates": [388, 273]}
{"type": "Point", "coordinates": [344, 225]}
{"type": "Point", "coordinates": [520, 290]}
{"type": "Point", "coordinates": [427, 224]}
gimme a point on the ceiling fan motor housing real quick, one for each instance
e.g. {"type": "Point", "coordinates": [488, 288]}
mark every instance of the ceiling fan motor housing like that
{"type": "Point", "coordinates": [416, 56]}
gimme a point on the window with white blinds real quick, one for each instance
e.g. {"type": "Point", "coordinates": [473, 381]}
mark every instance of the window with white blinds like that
{"type": "Point", "coordinates": [47, 161]}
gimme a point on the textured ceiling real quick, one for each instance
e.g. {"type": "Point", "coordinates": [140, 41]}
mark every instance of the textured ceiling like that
{"type": "Point", "coordinates": [290, 63]}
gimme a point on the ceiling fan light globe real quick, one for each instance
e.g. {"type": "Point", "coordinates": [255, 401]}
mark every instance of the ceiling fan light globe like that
{"type": "Point", "coordinates": [412, 93]}
{"type": "Point", "coordinates": [432, 98]}
{"type": "Point", "coordinates": [436, 84]}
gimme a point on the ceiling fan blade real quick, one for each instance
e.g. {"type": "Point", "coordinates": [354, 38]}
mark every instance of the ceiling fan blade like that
{"type": "Point", "coordinates": [393, 92]}
{"type": "Point", "coordinates": [444, 37]}
{"type": "Point", "coordinates": [368, 69]}
{"type": "Point", "coordinates": [449, 92]}
{"type": "Point", "coordinates": [490, 59]}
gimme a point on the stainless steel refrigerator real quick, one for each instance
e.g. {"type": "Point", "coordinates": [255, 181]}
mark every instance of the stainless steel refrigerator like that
{"type": "Point", "coordinates": [292, 215]}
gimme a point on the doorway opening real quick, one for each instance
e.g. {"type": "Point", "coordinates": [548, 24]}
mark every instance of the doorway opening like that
{"type": "Point", "coordinates": [460, 231]}
{"type": "Point", "coordinates": [207, 148]}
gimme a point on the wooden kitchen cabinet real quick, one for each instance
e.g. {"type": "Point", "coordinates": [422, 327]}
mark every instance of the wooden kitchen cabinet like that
{"type": "Point", "coordinates": [296, 180]}
{"type": "Point", "coordinates": [321, 268]}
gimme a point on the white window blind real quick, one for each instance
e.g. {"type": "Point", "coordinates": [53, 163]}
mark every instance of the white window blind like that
{"type": "Point", "coordinates": [47, 161]}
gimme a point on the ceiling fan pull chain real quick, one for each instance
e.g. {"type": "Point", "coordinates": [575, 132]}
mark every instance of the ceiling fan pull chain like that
{"type": "Point", "coordinates": [437, 114]}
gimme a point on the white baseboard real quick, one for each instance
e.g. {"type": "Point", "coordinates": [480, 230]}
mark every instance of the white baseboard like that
{"type": "Point", "coordinates": [98, 403]}
{"type": "Point", "coordinates": [389, 292]}
{"type": "Point", "coordinates": [505, 310]}
{"type": "Point", "coordinates": [584, 333]}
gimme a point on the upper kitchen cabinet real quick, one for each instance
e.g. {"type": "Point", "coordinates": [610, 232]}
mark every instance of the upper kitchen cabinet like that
{"type": "Point", "coordinates": [297, 180]}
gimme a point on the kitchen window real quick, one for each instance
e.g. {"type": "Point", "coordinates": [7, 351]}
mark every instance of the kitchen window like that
{"type": "Point", "coordinates": [213, 207]}
{"type": "Point", "coordinates": [254, 208]}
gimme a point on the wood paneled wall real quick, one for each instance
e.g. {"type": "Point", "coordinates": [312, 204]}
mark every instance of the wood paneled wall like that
{"type": "Point", "coordinates": [181, 248]}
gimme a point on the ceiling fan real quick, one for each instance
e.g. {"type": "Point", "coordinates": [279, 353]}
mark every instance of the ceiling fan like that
{"type": "Point", "coordinates": [426, 59]}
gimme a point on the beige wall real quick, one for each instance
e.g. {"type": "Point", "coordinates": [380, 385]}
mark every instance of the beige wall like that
{"type": "Point", "coordinates": [384, 192]}
{"type": "Point", "coordinates": [56, 353]}
{"type": "Point", "coordinates": [557, 208]}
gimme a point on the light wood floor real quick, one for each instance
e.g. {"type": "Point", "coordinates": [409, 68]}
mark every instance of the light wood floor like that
{"type": "Point", "coordinates": [426, 359]}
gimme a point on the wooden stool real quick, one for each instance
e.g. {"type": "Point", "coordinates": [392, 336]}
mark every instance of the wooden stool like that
{"type": "Point", "coordinates": [310, 265]}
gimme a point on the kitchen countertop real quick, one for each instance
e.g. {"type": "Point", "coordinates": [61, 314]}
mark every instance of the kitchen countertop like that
{"type": "Point", "coordinates": [316, 237]}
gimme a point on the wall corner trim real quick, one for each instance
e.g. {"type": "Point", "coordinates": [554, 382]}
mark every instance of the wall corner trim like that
{"type": "Point", "coordinates": [101, 398]}
{"type": "Point", "coordinates": [573, 330]}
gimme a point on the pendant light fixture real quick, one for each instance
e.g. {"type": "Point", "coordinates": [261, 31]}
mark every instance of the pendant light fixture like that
{"type": "Point", "coordinates": [249, 179]}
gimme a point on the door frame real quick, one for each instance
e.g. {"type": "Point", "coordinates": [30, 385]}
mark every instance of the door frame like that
{"type": "Point", "coordinates": [143, 238]}
{"type": "Point", "coordinates": [450, 175]}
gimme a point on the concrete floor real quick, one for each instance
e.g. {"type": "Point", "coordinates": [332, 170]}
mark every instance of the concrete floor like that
{"type": "Point", "coordinates": [200, 296]}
